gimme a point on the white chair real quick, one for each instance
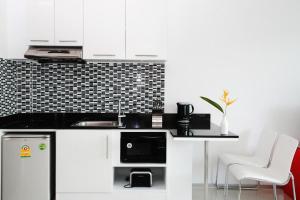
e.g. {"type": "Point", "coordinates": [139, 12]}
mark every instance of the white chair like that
{"type": "Point", "coordinates": [260, 158]}
{"type": "Point", "coordinates": [278, 172]}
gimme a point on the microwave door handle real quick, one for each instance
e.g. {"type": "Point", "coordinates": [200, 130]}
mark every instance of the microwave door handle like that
{"type": "Point", "coordinates": [151, 137]}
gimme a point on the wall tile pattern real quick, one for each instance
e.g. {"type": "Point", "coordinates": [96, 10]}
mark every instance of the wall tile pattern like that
{"type": "Point", "coordinates": [91, 87]}
{"type": "Point", "coordinates": [8, 104]}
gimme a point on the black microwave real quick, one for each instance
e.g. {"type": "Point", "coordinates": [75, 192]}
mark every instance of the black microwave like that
{"type": "Point", "coordinates": [143, 147]}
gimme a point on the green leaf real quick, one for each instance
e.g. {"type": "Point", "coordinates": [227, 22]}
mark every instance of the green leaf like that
{"type": "Point", "coordinates": [211, 102]}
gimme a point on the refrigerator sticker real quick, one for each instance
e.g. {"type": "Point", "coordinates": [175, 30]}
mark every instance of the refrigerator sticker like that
{"type": "Point", "coordinates": [25, 151]}
{"type": "Point", "coordinates": [42, 146]}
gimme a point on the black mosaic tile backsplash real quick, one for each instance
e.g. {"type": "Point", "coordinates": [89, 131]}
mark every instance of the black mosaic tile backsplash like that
{"type": "Point", "coordinates": [8, 88]}
{"type": "Point", "coordinates": [92, 87]}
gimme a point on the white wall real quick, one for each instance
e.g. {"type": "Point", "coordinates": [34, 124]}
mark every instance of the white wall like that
{"type": "Point", "coordinates": [252, 48]}
{"type": "Point", "coordinates": [2, 28]}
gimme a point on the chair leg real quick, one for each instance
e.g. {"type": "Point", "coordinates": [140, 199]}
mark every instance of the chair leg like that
{"type": "Point", "coordinates": [293, 183]}
{"type": "Point", "coordinates": [240, 190]}
{"type": "Point", "coordinates": [226, 181]}
{"type": "Point", "coordinates": [217, 174]}
{"type": "Point", "coordinates": [275, 191]}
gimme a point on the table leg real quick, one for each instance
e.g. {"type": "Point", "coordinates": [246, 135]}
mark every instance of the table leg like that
{"type": "Point", "coordinates": [205, 170]}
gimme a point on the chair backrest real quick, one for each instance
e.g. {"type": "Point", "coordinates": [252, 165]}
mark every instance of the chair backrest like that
{"type": "Point", "coordinates": [265, 146]}
{"type": "Point", "coordinates": [283, 155]}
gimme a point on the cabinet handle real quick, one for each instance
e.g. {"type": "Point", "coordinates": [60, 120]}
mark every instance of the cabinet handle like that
{"type": "Point", "coordinates": [65, 41]}
{"type": "Point", "coordinates": [107, 147]}
{"type": "Point", "coordinates": [146, 55]}
{"type": "Point", "coordinates": [39, 40]}
{"type": "Point", "coordinates": [103, 55]}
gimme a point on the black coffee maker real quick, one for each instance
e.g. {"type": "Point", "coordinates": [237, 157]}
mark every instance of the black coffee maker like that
{"type": "Point", "coordinates": [184, 111]}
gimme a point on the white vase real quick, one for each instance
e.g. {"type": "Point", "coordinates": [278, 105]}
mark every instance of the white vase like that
{"type": "Point", "coordinates": [224, 125]}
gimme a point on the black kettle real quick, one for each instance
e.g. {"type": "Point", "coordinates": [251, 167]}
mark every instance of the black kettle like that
{"type": "Point", "coordinates": [184, 110]}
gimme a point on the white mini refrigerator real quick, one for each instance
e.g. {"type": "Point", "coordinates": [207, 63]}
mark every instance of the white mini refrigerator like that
{"type": "Point", "coordinates": [25, 167]}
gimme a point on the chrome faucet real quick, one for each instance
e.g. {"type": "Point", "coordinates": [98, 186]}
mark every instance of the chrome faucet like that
{"type": "Point", "coordinates": [120, 116]}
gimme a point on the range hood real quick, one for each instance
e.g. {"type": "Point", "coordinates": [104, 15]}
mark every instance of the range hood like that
{"type": "Point", "coordinates": [55, 54]}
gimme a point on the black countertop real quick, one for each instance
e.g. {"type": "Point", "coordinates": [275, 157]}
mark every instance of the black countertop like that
{"type": "Point", "coordinates": [213, 132]}
{"type": "Point", "coordinates": [66, 120]}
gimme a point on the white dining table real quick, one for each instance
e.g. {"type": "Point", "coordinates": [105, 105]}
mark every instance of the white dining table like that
{"type": "Point", "coordinates": [205, 136]}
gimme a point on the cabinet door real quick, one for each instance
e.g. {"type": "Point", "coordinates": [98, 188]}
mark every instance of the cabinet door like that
{"type": "Point", "coordinates": [68, 22]}
{"type": "Point", "coordinates": [3, 39]}
{"type": "Point", "coordinates": [40, 22]}
{"type": "Point", "coordinates": [104, 29]}
{"type": "Point", "coordinates": [14, 26]}
{"type": "Point", "coordinates": [83, 161]}
{"type": "Point", "coordinates": [146, 29]}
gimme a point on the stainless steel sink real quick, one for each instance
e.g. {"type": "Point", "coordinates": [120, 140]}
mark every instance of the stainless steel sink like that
{"type": "Point", "coordinates": [104, 124]}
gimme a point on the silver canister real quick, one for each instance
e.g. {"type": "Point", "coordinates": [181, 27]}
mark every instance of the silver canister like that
{"type": "Point", "coordinates": [157, 113]}
{"type": "Point", "coordinates": [157, 120]}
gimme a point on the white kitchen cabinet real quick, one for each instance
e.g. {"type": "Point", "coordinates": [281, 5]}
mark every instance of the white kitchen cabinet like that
{"type": "Point", "coordinates": [2, 29]}
{"type": "Point", "coordinates": [40, 22]}
{"type": "Point", "coordinates": [14, 24]}
{"type": "Point", "coordinates": [146, 29]}
{"type": "Point", "coordinates": [55, 22]}
{"type": "Point", "coordinates": [83, 161]}
{"type": "Point", "coordinates": [104, 29]}
{"type": "Point", "coordinates": [69, 22]}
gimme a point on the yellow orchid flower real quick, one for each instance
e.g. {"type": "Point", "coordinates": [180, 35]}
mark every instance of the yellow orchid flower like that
{"type": "Point", "coordinates": [224, 98]}
{"type": "Point", "coordinates": [225, 94]}
{"type": "Point", "coordinates": [229, 102]}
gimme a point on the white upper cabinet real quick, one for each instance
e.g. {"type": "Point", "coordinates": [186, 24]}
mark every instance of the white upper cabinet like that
{"type": "Point", "coordinates": [107, 29]}
{"type": "Point", "coordinates": [104, 29]}
{"type": "Point", "coordinates": [69, 22]}
{"type": "Point", "coordinates": [2, 29]}
{"type": "Point", "coordinates": [146, 29]}
{"type": "Point", "coordinates": [13, 28]}
{"type": "Point", "coordinates": [83, 161]}
{"type": "Point", "coordinates": [40, 22]}
{"type": "Point", "coordinates": [55, 22]}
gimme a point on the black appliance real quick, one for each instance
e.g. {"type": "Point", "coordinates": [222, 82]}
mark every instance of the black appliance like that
{"type": "Point", "coordinates": [184, 111]}
{"type": "Point", "coordinates": [143, 147]}
{"type": "Point", "coordinates": [140, 177]}
{"type": "Point", "coordinates": [183, 127]}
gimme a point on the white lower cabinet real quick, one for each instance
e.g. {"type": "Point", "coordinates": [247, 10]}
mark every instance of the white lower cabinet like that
{"type": "Point", "coordinates": [131, 195]}
{"type": "Point", "coordinates": [83, 162]}
{"type": "Point", "coordinates": [88, 168]}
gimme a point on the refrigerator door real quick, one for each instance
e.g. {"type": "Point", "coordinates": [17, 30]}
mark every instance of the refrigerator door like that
{"type": "Point", "coordinates": [26, 167]}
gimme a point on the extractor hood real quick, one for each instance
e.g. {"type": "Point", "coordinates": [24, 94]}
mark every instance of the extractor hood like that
{"type": "Point", "coordinates": [55, 54]}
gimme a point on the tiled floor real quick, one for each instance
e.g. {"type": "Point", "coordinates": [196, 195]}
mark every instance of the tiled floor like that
{"type": "Point", "coordinates": [260, 194]}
